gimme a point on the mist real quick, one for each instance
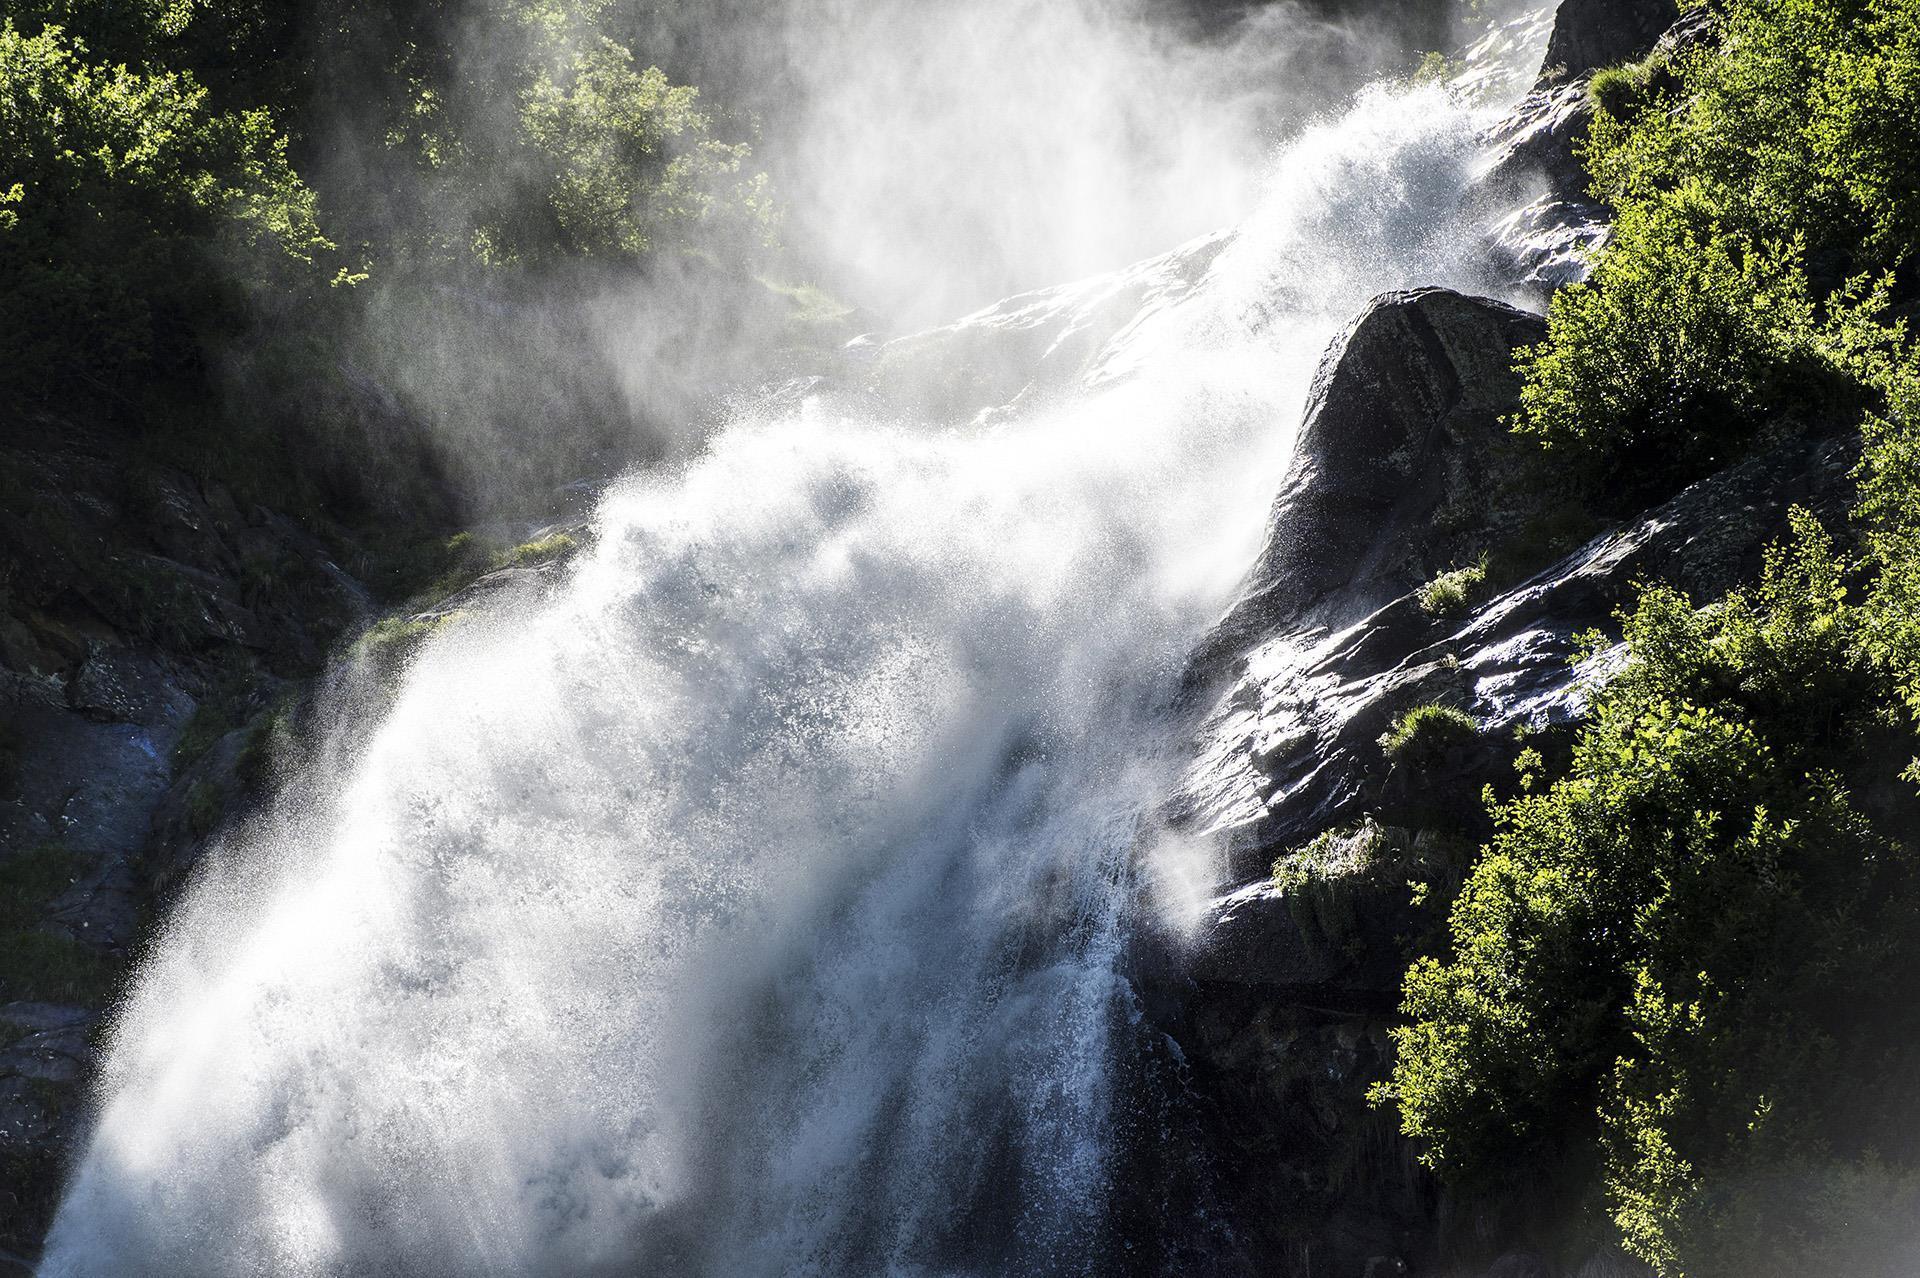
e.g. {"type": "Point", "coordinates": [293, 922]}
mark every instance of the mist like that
{"type": "Point", "coordinates": [922, 161]}
{"type": "Point", "coordinates": [753, 895]}
{"type": "Point", "coordinates": [933, 158]}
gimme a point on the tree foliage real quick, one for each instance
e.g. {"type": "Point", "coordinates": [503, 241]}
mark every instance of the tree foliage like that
{"type": "Point", "coordinates": [124, 198]}
{"type": "Point", "coordinates": [1758, 182]}
{"type": "Point", "coordinates": [1679, 975]}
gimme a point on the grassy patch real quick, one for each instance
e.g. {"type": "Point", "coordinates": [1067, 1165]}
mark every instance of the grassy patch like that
{"type": "Point", "coordinates": [392, 641]}
{"type": "Point", "coordinates": [1348, 852]}
{"type": "Point", "coordinates": [1451, 592]}
{"type": "Point", "coordinates": [1426, 732]}
{"type": "Point", "coordinates": [1621, 90]}
{"type": "Point", "coordinates": [542, 551]}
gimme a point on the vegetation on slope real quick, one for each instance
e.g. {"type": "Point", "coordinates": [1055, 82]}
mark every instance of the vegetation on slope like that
{"type": "Point", "coordinates": [1680, 975]}
{"type": "Point", "coordinates": [222, 228]}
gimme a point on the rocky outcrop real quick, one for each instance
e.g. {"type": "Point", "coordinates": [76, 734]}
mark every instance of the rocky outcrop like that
{"type": "Point", "coordinates": [1591, 34]}
{"type": "Point", "coordinates": [147, 622]}
{"type": "Point", "coordinates": [159, 646]}
{"type": "Point", "coordinates": [1280, 1009]}
{"type": "Point", "coordinates": [1547, 223]}
{"type": "Point", "coordinates": [1402, 425]}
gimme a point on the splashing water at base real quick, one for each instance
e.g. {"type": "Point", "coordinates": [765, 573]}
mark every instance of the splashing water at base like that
{"type": "Point", "coordinates": [751, 901]}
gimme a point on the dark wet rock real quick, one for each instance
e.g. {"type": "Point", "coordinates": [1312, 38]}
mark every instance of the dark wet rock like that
{"type": "Point", "coordinates": [1547, 224]}
{"type": "Point", "coordinates": [1520, 1264]}
{"type": "Point", "coordinates": [1400, 429]}
{"type": "Point", "coordinates": [144, 617]}
{"type": "Point", "coordinates": [1293, 749]}
{"type": "Point", "coordinates": [1591, 34]}
{"type": "Point", "coordinates": [46, 1060]}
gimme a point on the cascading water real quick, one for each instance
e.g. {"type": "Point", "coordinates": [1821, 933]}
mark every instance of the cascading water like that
{"type": "Point", "coordinates": [752, 899]}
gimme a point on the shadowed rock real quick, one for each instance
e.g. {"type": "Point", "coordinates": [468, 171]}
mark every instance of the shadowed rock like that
{"type": "Point", "coordinates": [1590, 34]}
{"type": "Point", "coordinates": [1400, 426]}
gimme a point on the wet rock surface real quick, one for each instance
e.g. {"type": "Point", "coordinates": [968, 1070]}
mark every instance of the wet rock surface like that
{"type": "Point", "coordinates": [1401, 425]}
{"type": "Point", "coordinates": [1547, 224]}
{"type": "Point", "coordinates": [145, 621]}
{"type": "Point", "coordinates": [1342, 857]}
{"type": "Point", "coordinates": [1591, 34]}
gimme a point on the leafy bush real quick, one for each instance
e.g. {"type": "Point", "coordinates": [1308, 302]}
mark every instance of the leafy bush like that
{"type": "Point", "coordinates": [1666, 363]}
{"type": "Point", "coordinates": [626, 155]}
{"type": "Point", "coordinates": [1666, 960]}
{"type": "Point", "coordinates": [134, 220]}
{"type": "Point", "coordinates": [1676, 973]}
{"type": "Point", "coordinates": [1754, 187]}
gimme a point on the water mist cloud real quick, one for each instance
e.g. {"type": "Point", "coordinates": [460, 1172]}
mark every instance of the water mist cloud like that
{"type": "Point", "coordinates": [936, 157]}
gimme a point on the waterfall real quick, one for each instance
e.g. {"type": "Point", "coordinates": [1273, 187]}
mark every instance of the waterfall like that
{"type": "Point", "coordinates": [750, 898]}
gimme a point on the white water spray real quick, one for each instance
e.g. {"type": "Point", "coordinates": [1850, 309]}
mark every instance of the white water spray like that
{"type": "Point", "coordinates": [751, 901]}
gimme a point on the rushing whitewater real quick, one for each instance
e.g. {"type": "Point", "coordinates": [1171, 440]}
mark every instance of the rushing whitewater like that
{"type": "Point", "coordinates": [753, 899]}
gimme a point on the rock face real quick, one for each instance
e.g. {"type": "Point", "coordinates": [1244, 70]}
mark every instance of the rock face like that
{"type": "Point", "coordinates": [1280, 1010]}
{"type": "Point", "coordinates": [1401, 425]}
{"type": "Point", "coordinates": [146, 623]}
{"type": "Point", "coordinates": [1591, 34]}
{"type": "Point", "coordinates": [1549, 222]}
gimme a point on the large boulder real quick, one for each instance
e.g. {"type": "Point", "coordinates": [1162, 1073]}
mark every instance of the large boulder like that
{"type": "Point", "coordinates": [1402, 423]}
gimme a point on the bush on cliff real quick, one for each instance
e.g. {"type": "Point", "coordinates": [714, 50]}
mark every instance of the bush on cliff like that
{"type": "Point", "coordinates": [131, 214]}
{"type": "Point", "coordinates": [1758, 195]}
{"type": "Point", "coordinates": [1422, 736]}
{"type": "Point", "coordinates": [1679, 974]}
{"type": "Point", "coordinates": [1685, 959]}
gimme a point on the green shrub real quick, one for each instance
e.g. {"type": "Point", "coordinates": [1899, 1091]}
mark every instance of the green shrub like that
{"type": "Point", "coordinates": [1662, 964]}
{"type": "Point", "coordinates": [1753, 187]}
{"type": "Point", "coordinates": [1425, 733]}
{"type": "Point", "coordinates": [1667, 363]}
{"type": "Point", "coordinates": [624, 155]}
{"type": "Point", "coordinates": [540, 551]}
{"type": "Point", "coordinates": [1451, 592]}
{"type": "Point", "coordinates": [1334, 854]}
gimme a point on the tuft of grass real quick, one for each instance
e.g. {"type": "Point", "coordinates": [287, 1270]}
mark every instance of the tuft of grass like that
{"type": "Point", "coordinates": [809, 305]}
{"type": "Point", "coordinates": [1622, 90]}
{"type": "Point", "coordinates": [1426, 732]}
{"type": "Point", "coordinates": [1451, 592]}
{"type": "Point", "coordinates": [390, 642]}
{"type": "Point", "coordinates": [1333, 854]}
{"type": "Point", "coordinates": [544, 550]}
